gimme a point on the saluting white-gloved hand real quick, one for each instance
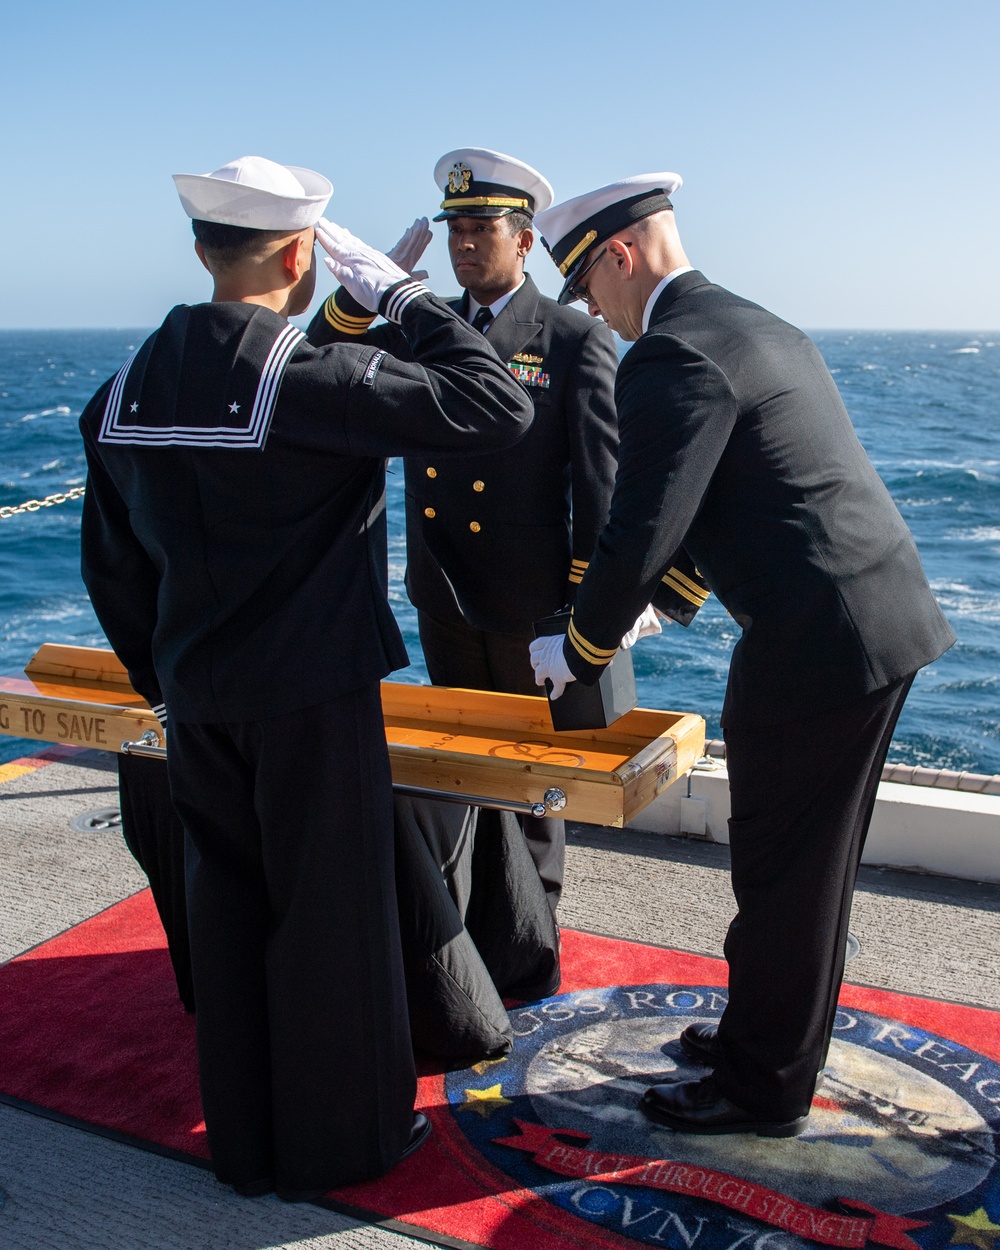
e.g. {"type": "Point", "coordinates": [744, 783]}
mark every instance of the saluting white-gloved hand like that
{"type": "Point", "coordinates": [411, 247]}
{"type": "Point", "coordinates": [647, 624]}
{"type": "Point", "coordinates": [549, 662]}
{"type": "Point", "coordinates": [363, 271]}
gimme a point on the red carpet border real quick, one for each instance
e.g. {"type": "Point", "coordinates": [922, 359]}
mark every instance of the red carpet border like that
{"type": "Point", "coordinates": [546, 1148]}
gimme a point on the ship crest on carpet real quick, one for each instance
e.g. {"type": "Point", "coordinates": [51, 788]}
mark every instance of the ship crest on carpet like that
{"type": "Point", "coordinates": [901, 1148]}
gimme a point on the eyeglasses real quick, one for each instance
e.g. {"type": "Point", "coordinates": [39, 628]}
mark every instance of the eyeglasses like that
{"type": "Point", "coordinates": [578, 290]}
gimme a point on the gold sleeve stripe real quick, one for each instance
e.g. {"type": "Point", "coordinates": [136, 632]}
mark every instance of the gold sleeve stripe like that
{"type": "Point", "coordinates": [575, 577]}
{"type": "Point", "coordinates": [580, 564]}
{"type": "Point", "coordinates": [592, 654]}
{"type": "Point", "coordinates": [698, 600]}
{"type": "Point", "coordinates": [341, 312]}
{"type": "Point", "coordinates": [695, 587]}
{"type": "Point", "coordinates": [342, 321]}
{"type": "Point", "coordinates": [345, 321]}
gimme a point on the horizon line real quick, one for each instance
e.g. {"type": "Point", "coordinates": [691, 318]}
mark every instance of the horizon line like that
{"type": "Point", "coordinates": [838, 329]}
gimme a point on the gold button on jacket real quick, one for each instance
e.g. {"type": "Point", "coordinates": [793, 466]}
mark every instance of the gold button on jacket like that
{"type": "Point", "coordinates": [475, 527]}
{"type": "Point", "coordinates": [429, 512]}
{"type": "Point", "coordinates": [431, 471]}
{"type": "Point", "coordinates": [478, 485]}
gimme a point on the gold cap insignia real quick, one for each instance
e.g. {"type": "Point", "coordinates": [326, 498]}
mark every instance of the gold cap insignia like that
{"type": "Point", "coordinates": [459, 178]}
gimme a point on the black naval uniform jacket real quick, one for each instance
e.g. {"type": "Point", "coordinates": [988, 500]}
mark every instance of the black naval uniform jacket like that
{"type": "Point", "coordinates": [736, 444]}
{"type": "Point", "coordinates": [501, 540]}
{"type": "Point", "coordinates": [234, 540]}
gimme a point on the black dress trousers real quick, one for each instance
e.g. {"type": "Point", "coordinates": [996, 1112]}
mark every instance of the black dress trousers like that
{"type": "Point", "coordinates": [802, 798]}
{"type": "Point", "coordinates": [155, 836]}
{"type": "Point", "coordinates": [459, 655]}
{"type": "Point", "coordinates": [304, 1052]}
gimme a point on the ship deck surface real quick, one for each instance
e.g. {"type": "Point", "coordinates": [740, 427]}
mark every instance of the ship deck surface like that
{"type": "Point", "coordinates": [64, 1189]}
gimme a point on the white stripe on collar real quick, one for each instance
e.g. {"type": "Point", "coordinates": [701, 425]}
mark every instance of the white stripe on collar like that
{"type": "Point", "coordinates": [251, 435]}
{"type": "Point", "coordinates": [658, 290]}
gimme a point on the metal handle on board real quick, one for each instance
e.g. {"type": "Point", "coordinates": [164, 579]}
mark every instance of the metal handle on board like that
{"type": "Point", "coordinates": [553, 800]}
{"type": "Point", "coordinates": [147, 745]}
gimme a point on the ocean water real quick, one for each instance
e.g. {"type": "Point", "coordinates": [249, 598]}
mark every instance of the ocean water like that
{"type": "Point", "coordinates": [926, 407]}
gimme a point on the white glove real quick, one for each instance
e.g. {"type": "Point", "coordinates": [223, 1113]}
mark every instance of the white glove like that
{"type": "Point", "coordinates": [365, 273]}
{"type": "Point", "coordinates": [411, 247]}
{"type": "Point", "coordinates": [647, 624]}
{"type": "Point", "coordinates": [548, 661]}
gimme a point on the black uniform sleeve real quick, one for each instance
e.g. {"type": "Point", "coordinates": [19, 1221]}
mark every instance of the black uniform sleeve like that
{"type": "Point", "coordinates": [341, 319]}
{"type": "Point", "coordinates": [122, 580]}
{"type": "Point", "coordinates": [676, 412]}
{"type": "Point", "coordinates": [592, 425]}
{"type": "Point", "coordinates": [453, 395]}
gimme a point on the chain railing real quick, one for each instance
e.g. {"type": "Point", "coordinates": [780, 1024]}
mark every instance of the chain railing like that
{"type": "Point", "coordinates": [35, 505]}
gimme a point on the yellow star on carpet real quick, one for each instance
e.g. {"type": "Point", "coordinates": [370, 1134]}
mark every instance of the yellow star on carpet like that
{"type": "Point", "coordinates": [976, 1229]}
{"type": "Point", "coordinates": [480, 1067]}
{"type": "Point", "coordinates": [485, 1101]}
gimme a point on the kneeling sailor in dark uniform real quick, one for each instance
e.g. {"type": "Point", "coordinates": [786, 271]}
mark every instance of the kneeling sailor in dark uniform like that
{"type": "Point", "coordinates": [234, 548]}
{"type": "Point", "coordinates": [497, 540]}
{"type": "Point", "coordinates": [736, 444]}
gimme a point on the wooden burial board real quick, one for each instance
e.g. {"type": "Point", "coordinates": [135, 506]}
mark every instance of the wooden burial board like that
{"type": "Point", "coordinates": [447, 740]}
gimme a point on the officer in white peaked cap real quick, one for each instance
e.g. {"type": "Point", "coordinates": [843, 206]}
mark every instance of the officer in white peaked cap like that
{"type": "Point", "coordinates": [234, 550]}
{"type": "Point", "coordinates": [498, 541]}
{"type": "Point", "coordinates": [739, 472]}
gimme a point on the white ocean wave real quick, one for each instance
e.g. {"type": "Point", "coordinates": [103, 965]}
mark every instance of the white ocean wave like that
{"type": "Point", "coordinates": [964, 351]}
{"type": "Point", "coordinates": [960, 600]}
{"type": "Point", "coordinates": [60, 410]}
{"type": "Point", "coordinates": [979, 534]}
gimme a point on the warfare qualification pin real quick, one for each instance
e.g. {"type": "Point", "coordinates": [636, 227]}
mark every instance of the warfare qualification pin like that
{"type": "Point", "coordinates": [459, 177]}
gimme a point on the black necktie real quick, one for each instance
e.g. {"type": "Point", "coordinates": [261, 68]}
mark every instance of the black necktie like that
{"type": "Point", "coordinates": [481, 321]}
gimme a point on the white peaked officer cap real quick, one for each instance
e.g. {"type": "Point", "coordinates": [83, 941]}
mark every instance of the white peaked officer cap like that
{"type": "Point", "coordinates": [478, 182]}
{"type": "Point", "coordinates": [572, 228]}
{"type": "Point", "coordinates": [256, 193]}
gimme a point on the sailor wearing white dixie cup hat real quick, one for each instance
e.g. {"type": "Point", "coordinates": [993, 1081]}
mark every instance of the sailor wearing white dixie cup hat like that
{"type": "Point", "coordinates": [500, 540]}
{"type": "Point", "coordinates": [257, 194]}
{"type": "Point", "coordinates": [234, 548]}
{"type": "Point", "coordinates": [735, 446]}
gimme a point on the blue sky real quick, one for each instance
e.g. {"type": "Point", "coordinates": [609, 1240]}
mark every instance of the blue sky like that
{"type": "Point", "coordinates": [840, 159]}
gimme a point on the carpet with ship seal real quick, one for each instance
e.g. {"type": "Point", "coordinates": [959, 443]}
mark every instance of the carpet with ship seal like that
{"type": "Point", "coordinates": [546, 1147]}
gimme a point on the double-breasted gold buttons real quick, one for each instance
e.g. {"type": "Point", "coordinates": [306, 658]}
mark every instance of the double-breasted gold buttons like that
{"type": "Point", "coordinates": [478, 485]}
{"type": "Point", "coordinates": [431, 471]}
{"type": "Point", "coordinates": [475, 527]}
{"type": "Point", "coordinates": [429, 512]}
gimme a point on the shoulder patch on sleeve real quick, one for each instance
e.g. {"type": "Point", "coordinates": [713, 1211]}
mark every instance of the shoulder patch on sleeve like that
{"type": "Point", "coordinates": [373, 367]}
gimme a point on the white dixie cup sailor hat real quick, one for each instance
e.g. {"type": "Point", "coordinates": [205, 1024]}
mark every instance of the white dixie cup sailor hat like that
{"type": "Point", "coordinates": [571, 229]}
{"type": "Point", "coordinates": [478, 182]}
{"type": "Point", "coordinates": [256, 193]}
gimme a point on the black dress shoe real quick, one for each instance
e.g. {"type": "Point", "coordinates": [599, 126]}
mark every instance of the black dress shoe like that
{"type": "Point", "coordinates": [420, 1130]}
{"type": "Point", "coordinates": [700, 1107]}
{"type": "Point", "coordinates": [700, 1041]}
{"type": "Point", "coordinates": [419, 1133]}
